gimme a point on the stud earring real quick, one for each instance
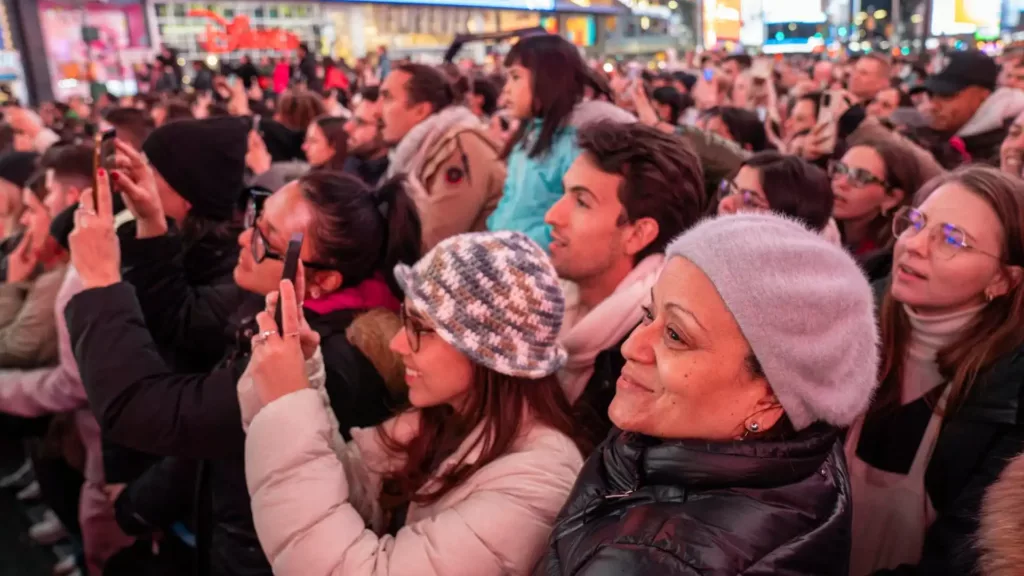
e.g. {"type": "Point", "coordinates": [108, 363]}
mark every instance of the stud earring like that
{"type": "Point", "coordinates": [314, 292]}
{"type": "Point", "coordinates": [989, 296]}
{"type": "Point", "coordinates": [753, 427]}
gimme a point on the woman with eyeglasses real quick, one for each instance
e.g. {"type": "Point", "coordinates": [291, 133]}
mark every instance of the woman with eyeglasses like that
{"type": "Point", "coordinates": [871, 182]}
{"type": "Point", "coordinates": [769, 181]}
{"type": "Point", "coordinates": [144, 403]}
{"type": "Point", "coordinates": [470, 478]}
{"type": "Point", "coordinates": [949, 412]}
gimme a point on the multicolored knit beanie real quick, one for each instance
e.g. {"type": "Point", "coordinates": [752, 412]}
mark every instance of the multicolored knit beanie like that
{"type": "Point", "coordinates": [495, 297]}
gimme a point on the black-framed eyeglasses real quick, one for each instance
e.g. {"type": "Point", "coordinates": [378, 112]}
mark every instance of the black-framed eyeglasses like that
{"type": "Point", "coordinates": [261, 251]}
{"type": "Point", "coordinates": [946, 240]}
{"type": "Point", "coordinates": [413, 329]}
{"type": "Point", "coordinates": [749, 198]}
{"type": "Point", "coordinates": [259, 245]}
{"type": "Point", "coordinates": [859, 177]}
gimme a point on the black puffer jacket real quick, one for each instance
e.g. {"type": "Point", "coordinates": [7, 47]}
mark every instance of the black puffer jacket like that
{"type": "Point", "coordinates": [645, 506]}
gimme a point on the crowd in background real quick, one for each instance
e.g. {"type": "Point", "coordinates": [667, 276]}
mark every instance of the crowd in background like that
{"type": "Point", "coordinates": [744, 316]}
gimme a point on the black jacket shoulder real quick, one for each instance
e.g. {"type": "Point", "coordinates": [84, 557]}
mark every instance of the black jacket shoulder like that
{"type": "Point", "coordinates": [644, 506]}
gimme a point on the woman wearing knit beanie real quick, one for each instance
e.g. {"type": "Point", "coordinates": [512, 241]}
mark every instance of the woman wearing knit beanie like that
{"type": "Point", "coordinates": [758, 346]}
{"type": "Point", "coordinates": [949, 413]}
{"type": "Point", "coordinates": [469, 480]}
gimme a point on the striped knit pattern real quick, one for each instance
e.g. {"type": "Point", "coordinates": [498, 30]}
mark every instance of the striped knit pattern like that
{"type": "Point", "coordinates": [495, 297]}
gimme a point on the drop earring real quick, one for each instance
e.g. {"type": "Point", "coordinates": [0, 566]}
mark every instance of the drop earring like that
{"type": "Point", "coordinates": [314, 292]}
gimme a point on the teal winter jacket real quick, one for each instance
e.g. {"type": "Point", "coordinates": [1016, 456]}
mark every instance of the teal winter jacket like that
{"type": "Point", "coordinates": [533, 185]}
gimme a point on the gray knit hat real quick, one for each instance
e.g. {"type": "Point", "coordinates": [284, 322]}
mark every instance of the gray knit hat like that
{"type": "Point", "coordinates": [495, 297]}
{"type": "Point", "coordinates": [804, 306]}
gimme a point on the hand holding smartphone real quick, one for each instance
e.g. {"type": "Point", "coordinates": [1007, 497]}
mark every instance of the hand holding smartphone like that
{"type": "Point", "coordinates": [103, 155]}
{"type": "Point", "coordinates": [291, 269]}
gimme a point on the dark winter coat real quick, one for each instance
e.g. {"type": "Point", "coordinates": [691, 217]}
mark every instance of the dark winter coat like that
{"type": "Point", "coordinates": [973, 447]}
{"type": "Point", "coordinates": [182, 286]}
{"type": "Point", "coordinates": [142, 403]}
{"type": "Point", "coordinates": [645, 506]}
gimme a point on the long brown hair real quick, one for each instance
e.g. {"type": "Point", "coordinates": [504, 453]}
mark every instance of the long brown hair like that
{"type": "Point", "coordinates": [499, 403]}
{"type": "Point", "coordinates": [997, 329]}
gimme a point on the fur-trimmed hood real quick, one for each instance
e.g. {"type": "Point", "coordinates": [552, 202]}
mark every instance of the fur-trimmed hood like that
{"type": "Point", "coordinates": [1001, 533]}
{"type": "Point", "coordinates": [371, 333]}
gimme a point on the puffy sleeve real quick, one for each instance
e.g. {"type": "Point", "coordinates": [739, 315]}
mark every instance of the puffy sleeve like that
{"type": "Point", "coordinates": [307, 524]}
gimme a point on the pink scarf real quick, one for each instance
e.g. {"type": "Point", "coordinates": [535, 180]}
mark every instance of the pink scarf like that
{"type": "Point", "coordinates": [370, 293]}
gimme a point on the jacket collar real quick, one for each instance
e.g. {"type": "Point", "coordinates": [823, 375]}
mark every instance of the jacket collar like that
{"type": "Point", "coordinates": [408, 154]}
{"type": "Point", "coordinates": [1002, 105]}
{"type": "Point", "coordinates": [632, 460]}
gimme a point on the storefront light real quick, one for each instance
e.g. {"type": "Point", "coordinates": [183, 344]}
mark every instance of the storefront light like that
{"type": "Point", "coordinates": [672, 5]}
{"type": "Point", "coordinates": [181, 61]}
{"type": "Point", "coordinates": [608, 67]}
{"type": "Point", "coordinates": [880, 14]}
{"type": "Point", "coordinates": [211, 61]}
{"type": "Point", "coordinates": [645, 23]}
{"type": "Point", "coordinates": [916, 19]}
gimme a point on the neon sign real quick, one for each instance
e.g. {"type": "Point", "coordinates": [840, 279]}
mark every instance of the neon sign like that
{"type": "Point", "coordinates": [223, 36]}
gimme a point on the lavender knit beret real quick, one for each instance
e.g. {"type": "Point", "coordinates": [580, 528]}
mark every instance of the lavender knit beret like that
{"type": "Point", "coordinates": [802, 303]}
{"type": "Point", "coordinates": [495, 297]}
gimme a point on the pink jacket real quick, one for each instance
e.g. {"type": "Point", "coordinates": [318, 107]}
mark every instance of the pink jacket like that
{"type": "Point", "coordinates": [282, 76]}
{"type": "Point", "coordinates": [316, 509]}
{"type": "Point", "coordinates": [57, 389]}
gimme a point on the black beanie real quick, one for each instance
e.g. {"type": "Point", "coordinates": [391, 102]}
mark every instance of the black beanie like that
{"type": "Point", "coordinates": [283, 143]}
{"type": "Point", "coordinates": [17, 167]}
{"type": "Point", "coordinates": [203, 160]}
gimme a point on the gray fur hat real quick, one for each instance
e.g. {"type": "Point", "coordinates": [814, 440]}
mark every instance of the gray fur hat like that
{"type": "Point", "coordinates": [802, 303]}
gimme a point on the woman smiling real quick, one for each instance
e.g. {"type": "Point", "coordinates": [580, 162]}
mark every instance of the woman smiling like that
{"type": "Point", "coordinates": [468, 481]}
{"type": "Point", "coordinates": [758, 345]}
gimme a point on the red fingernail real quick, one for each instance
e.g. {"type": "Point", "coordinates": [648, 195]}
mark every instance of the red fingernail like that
{"type": "Point", "coordinates": [114, 176]}
{"type": "Point", "coordinates": [101, 172]}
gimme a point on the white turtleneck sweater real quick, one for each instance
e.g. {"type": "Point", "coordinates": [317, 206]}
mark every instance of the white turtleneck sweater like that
{"type": "Point", "coordinates": [892, 512]}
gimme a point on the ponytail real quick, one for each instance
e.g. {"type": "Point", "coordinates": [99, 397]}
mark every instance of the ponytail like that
{"type": "Point", "coordinates": [359, 231]}
{"type": "Point", "coordinates": [402, 230]}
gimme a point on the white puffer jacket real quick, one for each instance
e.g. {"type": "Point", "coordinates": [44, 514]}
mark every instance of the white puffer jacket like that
{"type": "Point", "coordinates": [316, 509]}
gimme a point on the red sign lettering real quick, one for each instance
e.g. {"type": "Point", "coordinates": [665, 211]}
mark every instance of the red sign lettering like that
{"type": "Point", "coordinates": [223, 36]}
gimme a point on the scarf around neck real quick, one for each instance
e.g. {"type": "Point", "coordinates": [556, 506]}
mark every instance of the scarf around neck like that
{"type": "Point", "coordinates": [604, 326]}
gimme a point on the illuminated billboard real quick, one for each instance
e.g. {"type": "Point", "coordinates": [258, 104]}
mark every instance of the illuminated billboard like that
{"type": "Point", "coordinates": [721, 21]}
{"type": "Point", "coordinates": [545, 5]}
{"type": "Point", "coordinates": [953, 17]}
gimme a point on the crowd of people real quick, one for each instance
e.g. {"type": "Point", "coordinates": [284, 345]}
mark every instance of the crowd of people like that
{"type": "Point", "coordinates": [748, 316]}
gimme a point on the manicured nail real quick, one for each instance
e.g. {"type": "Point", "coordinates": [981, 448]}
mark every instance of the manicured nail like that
{"type": "Point", "coordinates": [114, 176]}
{"type": "Point", "coordinates": [101, 172]}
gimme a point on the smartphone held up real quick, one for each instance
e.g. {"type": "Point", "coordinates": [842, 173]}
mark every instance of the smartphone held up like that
{"type": "Point", "coordinates": [291, 272]}
{"type": "Point", "coordinates": [104, 152]}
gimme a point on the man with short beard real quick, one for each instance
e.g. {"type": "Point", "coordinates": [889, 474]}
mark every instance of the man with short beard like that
{"type": "Point", "coordinates": [367, 154]}
{"type": "Point", "coordinates": [454, 167]}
